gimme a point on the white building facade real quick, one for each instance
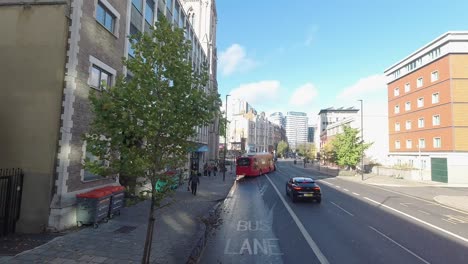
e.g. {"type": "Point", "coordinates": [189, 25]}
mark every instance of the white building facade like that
{"type": "Point", "coordinates": [296, 124]}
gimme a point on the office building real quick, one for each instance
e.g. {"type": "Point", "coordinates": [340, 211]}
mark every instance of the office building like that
{"type": "Point", "coordinates": [296, 128]}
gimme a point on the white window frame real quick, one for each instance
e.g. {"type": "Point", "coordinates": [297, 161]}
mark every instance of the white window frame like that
{"type": "Point", "coordinates": [407, 87]}
{"type": "Point", "coordinates": [396, 91]}
{"type": "Point", "coordinates": [434, 76]}
{"type": "Point", "coordinates": [397, 109]}
{"type": "Point", "coordinates": [434, 142]}
{"type": "Point", "coordinates": [409, 144]}
{"type": "Point", "coordinates": [420, 102]}
{"type": "Point", "coordinates": [102, 65]}
{"type": "Point", "coordinates": [421, 124]}
{"type": "Point", "coordinates": [435, 98]}
{"type": "Point", "coordinates": [397, 144]}
{"type": "Point", "coordinates": [434, 123]}
{"type": "Point", "coordinates": [419, 82]}
{"type": "Point", "coordinates": [113, 11]}
{"type": "Point", "coordinates": [408, 125]}
{"type": "Point", "coordinates": [423, 145]}
{"type": "Point", "coordinates": [397, 126]}
{"type": "Point", "coordinates": [408, 106]}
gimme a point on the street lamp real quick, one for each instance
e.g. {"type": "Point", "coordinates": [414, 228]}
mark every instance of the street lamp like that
{"type": "Point", "coordinates": [362, 141]}
{"type": "Point", "coordinates": [225, 143]}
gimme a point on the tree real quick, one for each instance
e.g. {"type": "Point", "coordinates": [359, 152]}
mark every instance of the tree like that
{"type": "Point", "coordinates": [327, 153]}
{"type": "Point", "coordinates": [141, 125]}
{"type": "Point", "coordinates": [348, 147]}
{"type": "Point", "coordinates": [307, 151]}
{"type": "Point", "coordinates": [282, 148]}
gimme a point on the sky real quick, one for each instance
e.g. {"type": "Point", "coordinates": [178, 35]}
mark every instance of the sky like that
{"type": "Point", "coordinates": [307, 55]}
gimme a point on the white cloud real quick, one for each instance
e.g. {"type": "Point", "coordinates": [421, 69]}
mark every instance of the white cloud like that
{"type": "Point", "coordinates": [257, 92]}
{"type": "Point", "coordinates": [370, 84]}
{"type": "Point", "coordinates": [234, 59]}
{"type": "Point", "coordinates": [303, 95]}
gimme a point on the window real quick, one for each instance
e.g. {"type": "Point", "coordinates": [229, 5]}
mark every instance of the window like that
{"type": "Point", "coordinates": [408, 125]}
{"type": "Point", "coordinates": [434, 76]}
{"type": "Point", "coordinates": [133, 31]}
{"type": "Point", "coordinates": [409, 143]}
{"type": "Point", "coordinates": [407, 106]}
{"type": "Point", "coordinates": [396, 92]}
{"type": "Point", "coordinates": [435, 53]}
{"type": "Point", "coordinates": [396, 74]}
{"type": "Point", "coordinates": [181, 21]}
{"type": "Point", "coordinates": [437, 142]}
{"type": "Point", "coordinates": [138, 4]}
{"type": "Point", "coordinates": [397, 126]}
{"type": "Point", "coordinates": [421, 122]}
{"type": "Point", "coordinates": [420, 102]}
{"type": "Point", "coordinates": [169, 5]}
{"type": "Point", "coordinates": [436, 120]}
{"type": "Point", "coordinates": [419, 83]}
{"type": "Point", "coordinates": [407, 87]}
{"type": "Point", "coordinates": [397, 144]}
{"type": "Point", "coordinates": [176, 13]}
{"type": "Point", "coordinates": [435, 98]}
{"type": "Point", "coordinates": [397, 109]}
{"type": "Point", "coordinates": [105, 17]}
{"type": "Point", "coordinates": [149, 12]}
{"type": "Point", "coordinates": [99, 78]}
{"type": "Point", "coordinates": [421, 143]}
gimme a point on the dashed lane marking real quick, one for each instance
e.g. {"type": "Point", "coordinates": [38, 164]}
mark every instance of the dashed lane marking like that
{"type": "Point", "coordinates": [398, 244]}
{"type": "Point", "coordinates": [356, 193]}
{"type": "Point", "coordinates": [420, 221]}
{"type": "Point", "coordinates": [342, 209]}
{"type": "Point", "coordinates": [346, 190]}
{"type": "Point", "coordinates": [424, 212]}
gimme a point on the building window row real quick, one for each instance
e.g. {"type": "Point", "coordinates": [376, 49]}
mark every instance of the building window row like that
{"type": "Point", "coordinates": [436, 143]}
{"type": "Point", "coordinates": [419, 83]}
{"type": "Point", "coordinates": [420, 103]}
{"type": "Point", "coordinates": [421, 123]}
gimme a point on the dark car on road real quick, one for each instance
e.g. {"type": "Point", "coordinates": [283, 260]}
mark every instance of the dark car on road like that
{"type": "Point", "coordinates": [303, 188]}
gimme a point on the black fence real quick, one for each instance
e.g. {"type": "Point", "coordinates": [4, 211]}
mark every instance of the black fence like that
{"type": "Point", "coordinates": [11, 186]}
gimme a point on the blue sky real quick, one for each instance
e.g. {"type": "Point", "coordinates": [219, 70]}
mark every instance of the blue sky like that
{"type": "Point", "coordinates": [305, 55]}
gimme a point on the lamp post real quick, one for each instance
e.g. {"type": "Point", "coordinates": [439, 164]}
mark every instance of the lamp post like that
{"type": "Point", "coordinates": [362, 141]}
{"type": "Point", "coordinates": [420, 160]}
{"type": "Point", "coordinates": [225, 143]}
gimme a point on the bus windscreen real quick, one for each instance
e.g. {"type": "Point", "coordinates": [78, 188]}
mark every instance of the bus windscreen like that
{"type": "Point", "coordinates": [243, 162]}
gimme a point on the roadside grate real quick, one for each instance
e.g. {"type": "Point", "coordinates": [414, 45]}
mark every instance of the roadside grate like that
{"type": "Point", "coordinates": [125, 229]}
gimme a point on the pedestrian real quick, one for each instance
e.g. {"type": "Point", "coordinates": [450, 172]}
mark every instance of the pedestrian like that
{"type": "Point", "coordinates": [215, 170]}
{"type": "Point", "coordinates": [205, 169]}
{"type": "Point", "coordinates": [194, 180]}
{"type": "Point", "coordinates": [209, 170]}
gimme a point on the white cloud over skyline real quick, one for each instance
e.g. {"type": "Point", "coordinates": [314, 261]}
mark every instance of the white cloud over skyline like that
{"type": "Point", "coordinates": [364, 86]}
{"type": "Point", "coordinates": [257, 92]}
{"type": "Point", "coordinates": [303, 95]}
{"type": "Point", "coordinates": [235, 59]}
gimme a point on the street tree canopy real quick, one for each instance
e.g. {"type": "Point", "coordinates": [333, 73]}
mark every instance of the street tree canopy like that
{"type": "Point", "coordinates": [282, 148]}
{"type": "Point", "coordinates": [307, 151]}
{"type": "Point", "coordinates": [143, 125]}
{"type": "Point", "coordinates": [348, 146]}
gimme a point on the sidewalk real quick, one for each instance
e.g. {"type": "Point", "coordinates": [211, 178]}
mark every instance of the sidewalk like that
{"type": "Point", "coordinates": [178, 232]}
{"type": "Point", "coordinates": [452, 195]}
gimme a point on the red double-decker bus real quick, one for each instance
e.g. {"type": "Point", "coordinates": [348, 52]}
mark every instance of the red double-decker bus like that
{"type": "Point", "coordinates": [254, 164]}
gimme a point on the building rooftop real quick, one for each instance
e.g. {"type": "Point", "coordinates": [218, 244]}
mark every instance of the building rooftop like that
{"type": "Point", "coordinates": [338, 110]}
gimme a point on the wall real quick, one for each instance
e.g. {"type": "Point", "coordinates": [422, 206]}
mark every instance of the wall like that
{"type": "Point", "coordinates": [32, 55]}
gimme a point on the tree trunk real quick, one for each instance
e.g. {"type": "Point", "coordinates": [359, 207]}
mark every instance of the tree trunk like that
{"type": "Point", "coordinates": [150, 228]}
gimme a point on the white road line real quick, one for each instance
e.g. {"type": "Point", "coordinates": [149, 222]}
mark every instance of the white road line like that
{"type": "Point", "coordinates": [346, 190]}
{"type": "Point", "coordinates": [333, 179]}
{"type": "Point", "coordinates": [342, 209]}
{"type": "Point", "coordinates": [424, 212]}
{"type": "Point", "coordinates": [337, 186]}
{"type": "Point", "coordinates": [301, 227]}
{"type": "Point", "coordinates": [417, 198]}
{"type": "Point", "coordinates": [356, 193]}
{"type": "Point", "coordinates": [449, 221]}
{"type": "Point", "coordinates": [404, 204]}
{"type": "Point", "coordinates": [398, 244]}
{"type": "Point", "coordinates": [420, 221]}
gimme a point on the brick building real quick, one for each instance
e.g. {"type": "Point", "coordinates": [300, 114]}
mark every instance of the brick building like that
{"type": "Point", "coordinates": [427, 106]}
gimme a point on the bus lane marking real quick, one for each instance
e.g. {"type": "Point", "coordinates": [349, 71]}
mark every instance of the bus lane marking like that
{"type": "Point", "coordinates": [253, 246]}
{"type": "Point", "coordinates": [318, 253]}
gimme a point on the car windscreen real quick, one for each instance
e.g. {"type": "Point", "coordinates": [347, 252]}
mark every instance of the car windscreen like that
{"type": "Point", "coordinates": [304, 181]}
{"type": "Point", "coordinates": [243, 162]}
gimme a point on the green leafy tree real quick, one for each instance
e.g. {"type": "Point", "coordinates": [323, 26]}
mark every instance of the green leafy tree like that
{"type": "Point", "coordinates": [307, 151]}
{"type": "Point", "coordinates": [282, 148]}
{"type": "Point", "coordinates": [142, 125]}
{"type": "Point", "coordinates": [348, 147]}
{"type": "Point", "coordinates": [327, 153]}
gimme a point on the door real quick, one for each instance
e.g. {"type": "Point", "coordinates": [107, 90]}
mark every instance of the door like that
{"type": "Point", "coordinates": [439, 170]}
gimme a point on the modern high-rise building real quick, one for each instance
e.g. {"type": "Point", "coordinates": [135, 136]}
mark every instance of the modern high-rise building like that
{"type": "Point", "coordinates": [311, 129]}
{"type": "Point", "coordinates": [296, 128]}
{"type": "Point", "coordinates": [428, 106]}
{"type": "Point", "coordinates": [277, 118]}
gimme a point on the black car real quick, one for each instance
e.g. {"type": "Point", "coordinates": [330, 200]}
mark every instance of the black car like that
{"type": "Point", "coordinates": [303, 187]}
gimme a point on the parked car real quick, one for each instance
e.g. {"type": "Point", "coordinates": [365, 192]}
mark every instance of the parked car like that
{"type": "Point", "coordinates": [303, 188]}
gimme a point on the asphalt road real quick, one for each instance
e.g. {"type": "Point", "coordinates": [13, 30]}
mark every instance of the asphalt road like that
{"type": "Point", "coordinates": [355, 223]}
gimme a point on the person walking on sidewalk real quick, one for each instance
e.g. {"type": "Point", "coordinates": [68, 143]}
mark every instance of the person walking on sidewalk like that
{"type": "Point", "coordinates": [215, 170]}
{"type": "Point", "coordinates": [194, 180]}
